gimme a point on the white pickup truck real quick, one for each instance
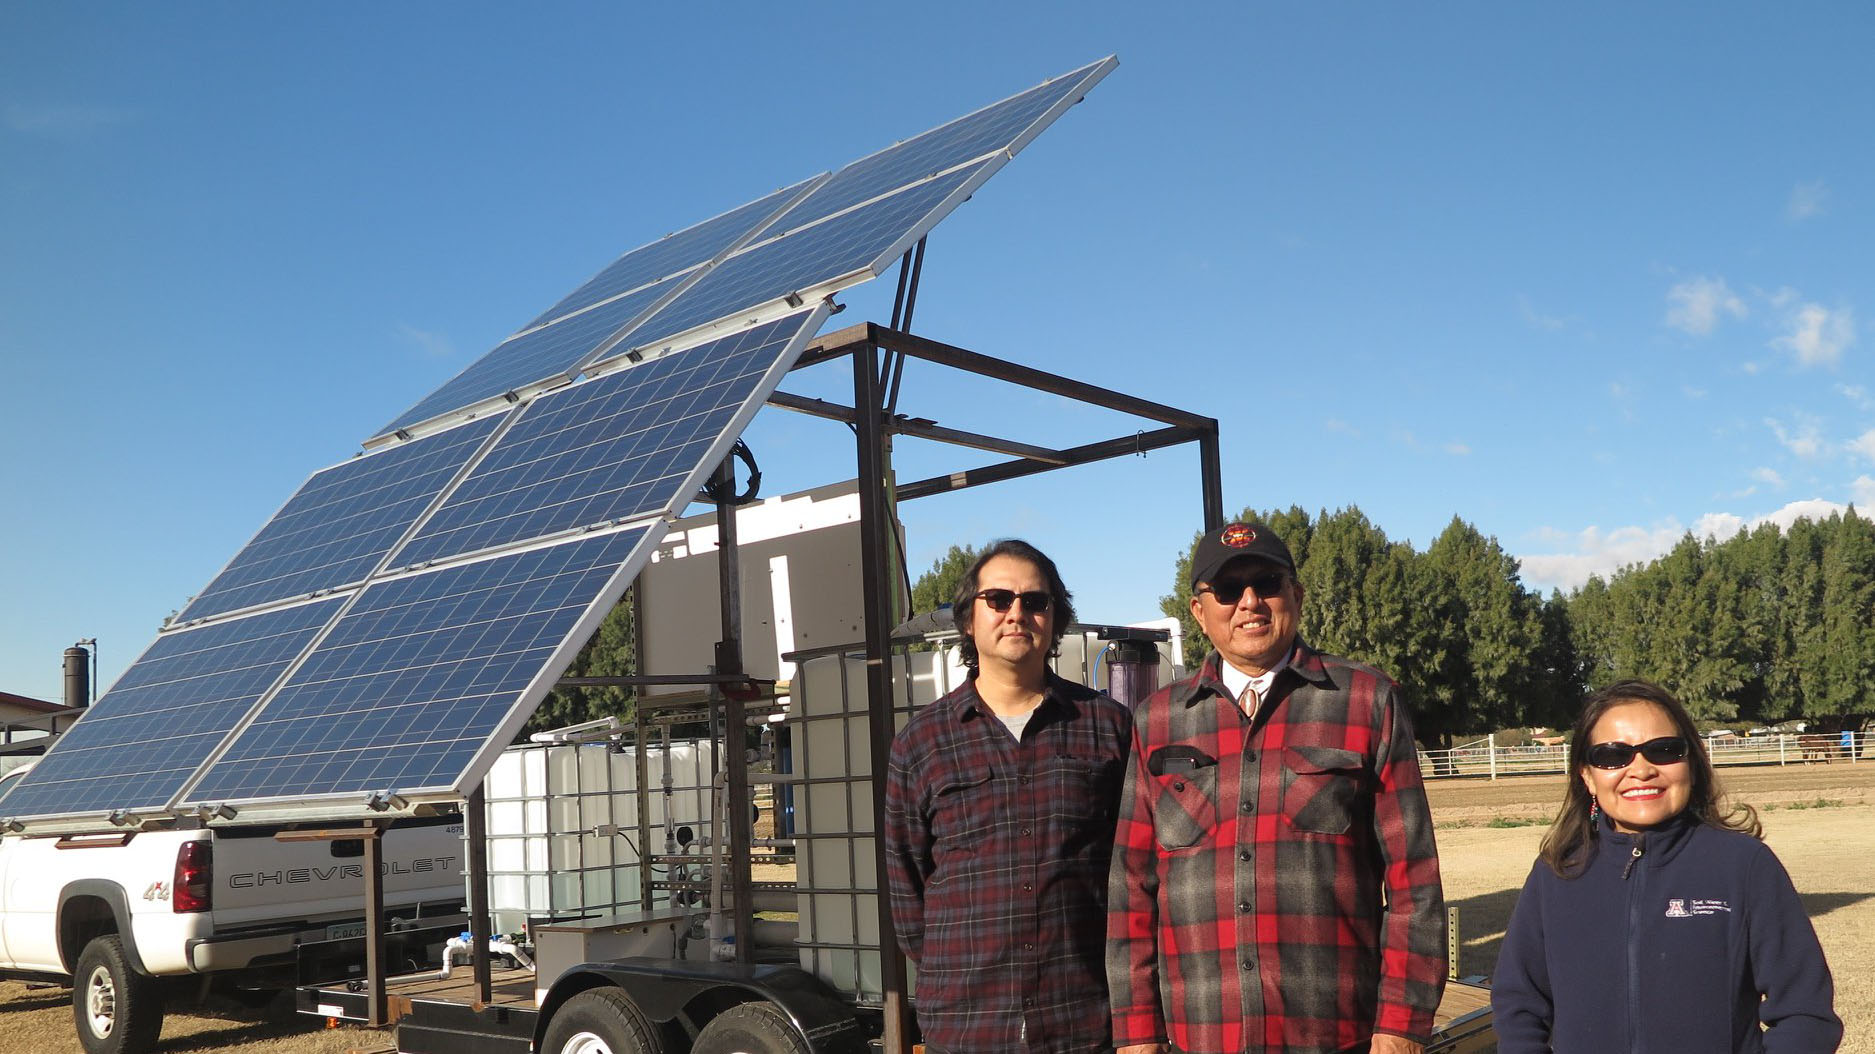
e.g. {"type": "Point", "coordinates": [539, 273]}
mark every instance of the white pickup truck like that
{"type": "Point", "coordinates": [114, 915]}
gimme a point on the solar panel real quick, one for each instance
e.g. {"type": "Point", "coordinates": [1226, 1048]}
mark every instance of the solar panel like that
{"type": "Point", "coordinates": [1006, 126]}
{"type": "Point", "coordinates": [425, 672]}
{"type": "Point", "coordinates": [675, 253]}
{"type": "Point", "coordinates": [854, 246]}
{"type": "Point", "coordinates": [138, 744]}
{"type": "Point", "coordinates": [623, 445]}
{"type": "Point", "coordinates": [342, 522]}
{"type": "Point", "coordinates": [544, 354]}
{"type": "Point", "coordinates": [535, 356]}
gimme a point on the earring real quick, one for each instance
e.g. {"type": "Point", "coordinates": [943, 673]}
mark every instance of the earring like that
{"type": "Point", "coordinates": [1595, 813]}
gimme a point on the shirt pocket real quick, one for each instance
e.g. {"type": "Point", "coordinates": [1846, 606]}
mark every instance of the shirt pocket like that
{"type": "Point", "coordinates": [1184, 807]}
{"type": "Point", "coordinates": [1321, 788]}
{"type": "Point", "coordinates": [963, 809]}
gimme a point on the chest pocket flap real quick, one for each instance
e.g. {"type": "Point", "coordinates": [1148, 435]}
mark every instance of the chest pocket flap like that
{"type": "Point", "coordinates": [1321, 788]}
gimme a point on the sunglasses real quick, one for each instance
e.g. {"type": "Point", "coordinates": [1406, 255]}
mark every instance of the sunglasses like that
{"type": "Point", "coordinates": [1667, 750]}
{"type": "Point", "coordinates": [1034, 602]}
{"type": "Point", "coordinates": [1265, 585]}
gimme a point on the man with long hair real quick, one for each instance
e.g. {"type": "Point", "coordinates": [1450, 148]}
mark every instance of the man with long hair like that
{"type": "Point", "coordinates": [1000, 804]}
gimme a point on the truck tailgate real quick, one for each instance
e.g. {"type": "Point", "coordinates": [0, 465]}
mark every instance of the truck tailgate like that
{"type": "Point", "coordinates": [261, 880]}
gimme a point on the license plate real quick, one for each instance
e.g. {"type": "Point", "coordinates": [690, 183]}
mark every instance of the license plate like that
{"type": "Point", "coordinates": [343, 930]}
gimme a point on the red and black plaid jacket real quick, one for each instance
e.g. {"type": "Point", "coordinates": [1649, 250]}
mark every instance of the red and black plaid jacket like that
{"type": "Point", "coordinates": [1275, 884]}
{"type": "Point", "coordinates": [996, 863]}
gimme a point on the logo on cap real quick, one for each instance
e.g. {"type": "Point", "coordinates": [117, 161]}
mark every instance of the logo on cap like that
{"type": "Point", "coordinates": [1237, 536]}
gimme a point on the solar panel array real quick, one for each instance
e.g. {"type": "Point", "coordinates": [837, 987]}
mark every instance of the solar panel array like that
{"type": "Point", "coordinates": [395, 623]}
{"type": "Point", "coordinates": [884, 202]}
{"type": "Point", "coordinates": [418, 675]}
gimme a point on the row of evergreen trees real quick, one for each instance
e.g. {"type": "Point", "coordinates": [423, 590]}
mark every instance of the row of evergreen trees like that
{"type": "Point", "coordinates": [1766, 626]}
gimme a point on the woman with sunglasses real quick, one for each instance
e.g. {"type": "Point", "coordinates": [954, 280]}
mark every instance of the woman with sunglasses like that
{"type": "Point", "coordinates": [1655, 918]}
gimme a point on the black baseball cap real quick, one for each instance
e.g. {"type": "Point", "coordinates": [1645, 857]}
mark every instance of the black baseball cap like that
{"type": "Point", "coordinates": [1234, 540]}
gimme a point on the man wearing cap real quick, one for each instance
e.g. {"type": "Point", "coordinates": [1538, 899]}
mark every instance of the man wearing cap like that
{"type": "Point", "coordinates": [1275, 886]}
{"type": "Point", "coordinates": [999, 811]}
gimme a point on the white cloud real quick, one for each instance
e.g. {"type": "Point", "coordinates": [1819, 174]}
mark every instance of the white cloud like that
{"type": "Point", "coordinates": [1696, 304]}
{"type": "Point", "coordinates": [1807, 200]}
{"type": "Point", "coordinates": [1804, 442]}
{"type": "Point", "coordinates": [1816, 334]}
{"type": "Point", "coordinates": [1767, 476]}
{"type": "Point", "coordinates": [1864, 444]}
{"type": "Point", "coordinates": [1693, 393]}
{"type": "Point", "coordinates": [434, 345]}
{"type": "Point", "coordinates": [1603, 552]}
{"type": "Point", "coordinates": [1856, 394]}
{"type": "Point", "coordinates": [1863, 492]}
{"type": "Point", "coordinates": [1460, 449]}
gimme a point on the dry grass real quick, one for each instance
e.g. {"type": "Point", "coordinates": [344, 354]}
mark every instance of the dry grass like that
{"type": "Point", "coordinates": [1829, 851]}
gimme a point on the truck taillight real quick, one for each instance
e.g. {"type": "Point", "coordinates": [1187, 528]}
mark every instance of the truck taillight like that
{"type": "Point", "coordinates": [195, 877]}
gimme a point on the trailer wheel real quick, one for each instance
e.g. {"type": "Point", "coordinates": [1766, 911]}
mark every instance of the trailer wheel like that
{"type": "Point", "coordinates": [750, 1028]}
{"type": "Point", "coordinates": [117, 1009]}
{"type": "Point", "coordinates": [601, 1021]}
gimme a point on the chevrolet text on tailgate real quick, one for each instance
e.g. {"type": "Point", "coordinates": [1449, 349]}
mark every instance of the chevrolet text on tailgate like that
{"type": "Point", "coordinates": [111, 914]}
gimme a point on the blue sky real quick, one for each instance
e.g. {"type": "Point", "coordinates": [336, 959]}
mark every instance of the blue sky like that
{"type": "Point", "coordinates": [1587, 280]}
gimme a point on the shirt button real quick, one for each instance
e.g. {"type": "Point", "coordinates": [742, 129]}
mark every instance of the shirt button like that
{"type": "Point", "coordinates": [1243, 854]}
{"type": "Point", "coordinates": [1025, 832]}
{"type": "Point", "coordinates": [1243, 906]}
{"type": "Point", "coordinates": [1249, 755]}
{"type": "Point", "coordinates": [1028, 887]}
{"type": "Point", "coordinates": [1249, 967]}
{"type": "Point", "coordinates": [1246, 807]}
{"type": "Point", "coordinates": [1028, 947]}
{"type": "Point", "coordinates": [1179, 786]}
{"type": "Point", "coordinates": [1023, 779]}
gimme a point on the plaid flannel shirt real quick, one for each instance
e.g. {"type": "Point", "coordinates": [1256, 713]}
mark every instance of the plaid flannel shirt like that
{"type": "Point", "coordinates": [996, 864]}
{"type": "Point", "coordinates": [1284, 896]}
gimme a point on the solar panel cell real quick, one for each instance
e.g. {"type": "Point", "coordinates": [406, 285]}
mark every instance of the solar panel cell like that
{"type": "Point", "coordinates": [419, 674]}
{"type": "Point", "coordinates": [623, 445]}
{"type": "Point", "coordinates": [138, 744]}
{"type": "Point", "coordinates": [342, 522]}
{"type": "Point", "coordinates": [533, 356]}
{"type": "Point", "coordinates": [771, 270]}
{"type": "Point", "coordinates": [675, 253]}
{"type": "Point", "coordinates": [994, 128]}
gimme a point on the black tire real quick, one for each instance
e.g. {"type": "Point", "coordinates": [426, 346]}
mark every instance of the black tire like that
{"type": "Point", "coordinates": [750, 1028]}
{"type": "Point", "coordinates": [601, 1021]}
{"type": "Point", "coordinates": [117, 1010]}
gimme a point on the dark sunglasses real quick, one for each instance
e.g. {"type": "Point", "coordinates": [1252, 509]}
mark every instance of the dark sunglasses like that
{"type": "Point", "coordinates": [1667, 750]}
{"type": "Point", "coordinates": [1034, 602]}
{"type": "Point", "coordinates": [1265, 585]}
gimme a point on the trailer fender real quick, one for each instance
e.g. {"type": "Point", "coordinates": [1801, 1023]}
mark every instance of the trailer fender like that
{"type": "Point", "coordinates": [667, 989]}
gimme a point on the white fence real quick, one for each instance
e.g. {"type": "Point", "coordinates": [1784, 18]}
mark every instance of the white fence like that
{"type": "Point", "coordinates": [1485, 758]}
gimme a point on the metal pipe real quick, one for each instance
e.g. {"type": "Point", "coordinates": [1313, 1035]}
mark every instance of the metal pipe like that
{"type": "Point", "coordinates": [735, 720]}
{"type": "Point", "coordinates": [876, 588]}
{"type": "Point", "coordinates": [475, 825]}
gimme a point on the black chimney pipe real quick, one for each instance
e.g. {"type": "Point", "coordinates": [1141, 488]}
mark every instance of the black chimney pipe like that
{"type": "Point", "coordinates": [77, 677]}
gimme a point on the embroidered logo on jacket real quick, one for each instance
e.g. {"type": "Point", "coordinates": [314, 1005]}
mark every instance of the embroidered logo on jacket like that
{"type": "Point", "coordinates": [1686, 909]}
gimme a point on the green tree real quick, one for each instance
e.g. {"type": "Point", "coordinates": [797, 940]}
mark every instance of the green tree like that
{"type": "Point", "coordinates": [938, 586]}
{"type": "Point", "coordinates": [1848, 572]}
{"type": "Point", "coordinates": [1492, 626]}
{"type": "Point", "coordinates": [612, 652]}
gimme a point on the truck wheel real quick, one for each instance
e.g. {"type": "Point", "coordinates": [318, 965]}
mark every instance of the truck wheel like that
{"type": "Point", "coordinates": [750, 1028]}
{"type": "Point", "coordinates": [601, 1021]}
{"type": "Point", "coordinates": [118, 1010]}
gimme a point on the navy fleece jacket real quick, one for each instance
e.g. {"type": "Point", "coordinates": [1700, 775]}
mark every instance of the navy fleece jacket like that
{"type": "Point", "coordinates": [1664, 944]}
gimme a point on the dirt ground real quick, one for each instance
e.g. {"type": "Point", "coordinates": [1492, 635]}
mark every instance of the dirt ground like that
{"type": "Point", "coordinates": [1819, 818]}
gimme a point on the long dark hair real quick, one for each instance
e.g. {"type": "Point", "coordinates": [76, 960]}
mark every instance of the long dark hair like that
{"type": "Point", "coordinates": [963, 603]}
{"type": "Point", "coordinates": [1570, 843]}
